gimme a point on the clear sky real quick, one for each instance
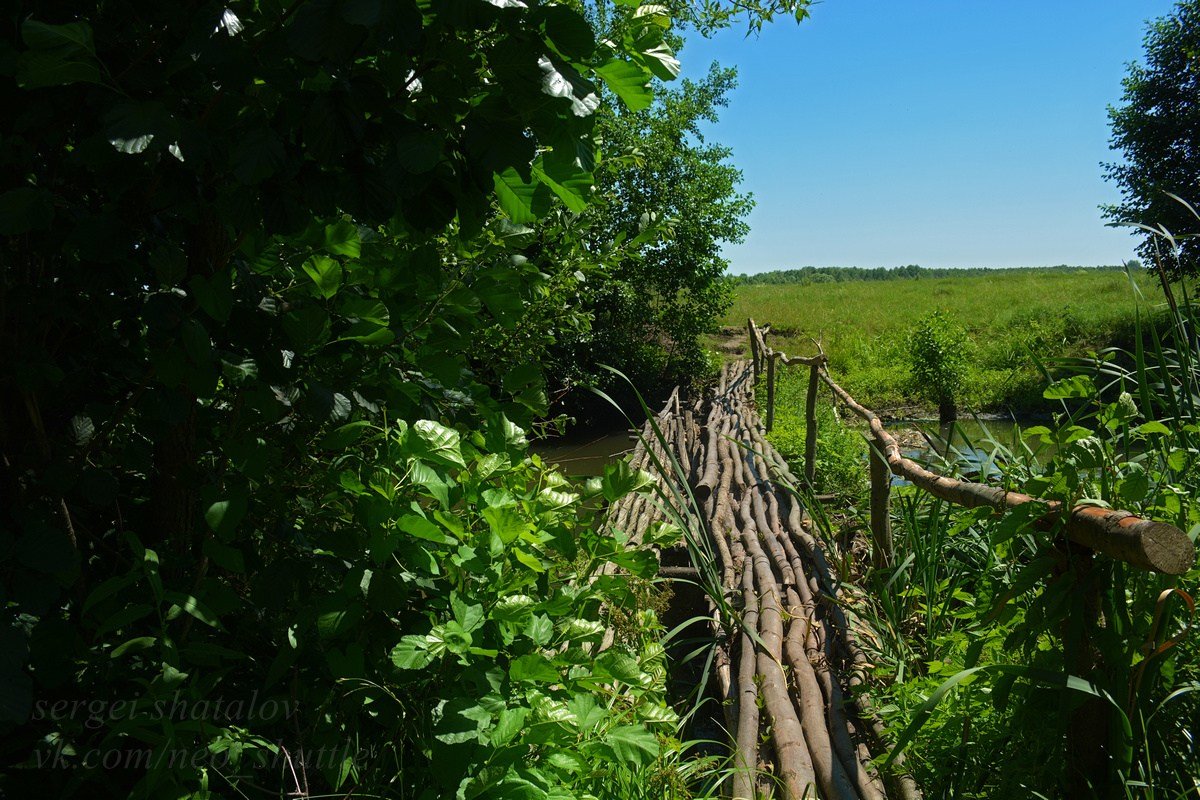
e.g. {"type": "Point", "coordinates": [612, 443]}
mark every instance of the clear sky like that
{"type": "Point", "coordinates": [945, 133]}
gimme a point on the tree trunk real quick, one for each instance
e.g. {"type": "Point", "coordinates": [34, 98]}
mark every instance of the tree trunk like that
{"type": "Point", "coordinates": [947, 411]}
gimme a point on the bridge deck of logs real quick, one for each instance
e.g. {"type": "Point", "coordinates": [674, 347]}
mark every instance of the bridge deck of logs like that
{"type": "Point", "coordinates": [789, 667]}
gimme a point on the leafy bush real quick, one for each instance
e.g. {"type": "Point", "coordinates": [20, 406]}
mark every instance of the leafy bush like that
{"type": "Point", "coordinates": [276, 305]}
{"type": "Point", "coordinates": [937, 349]}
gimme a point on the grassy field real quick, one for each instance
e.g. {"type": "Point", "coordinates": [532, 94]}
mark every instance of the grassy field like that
{"type": "Point", "coordinates": [864, 327]}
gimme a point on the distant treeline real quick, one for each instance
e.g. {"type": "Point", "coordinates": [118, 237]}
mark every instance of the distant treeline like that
{"type": "Point", "coordinates": [805, 275]}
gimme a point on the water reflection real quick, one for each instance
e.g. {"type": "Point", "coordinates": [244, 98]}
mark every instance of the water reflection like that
{"type": "Point", "coordinates": [584, 457]}
{"type": "Point", "coordinates": [976, 447]}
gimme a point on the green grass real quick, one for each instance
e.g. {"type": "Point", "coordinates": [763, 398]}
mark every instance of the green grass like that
{"type": "Point", "coordinates": [864, 328]}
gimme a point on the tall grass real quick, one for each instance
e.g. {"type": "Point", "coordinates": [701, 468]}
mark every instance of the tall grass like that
{"type": "Point", "coordinates": [864, 327]}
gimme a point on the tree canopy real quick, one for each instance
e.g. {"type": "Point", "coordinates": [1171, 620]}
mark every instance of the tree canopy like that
{"type": "Point", "coordinates": [276, 281]}
{"type": "Point", "coordinates": [1156, 128]}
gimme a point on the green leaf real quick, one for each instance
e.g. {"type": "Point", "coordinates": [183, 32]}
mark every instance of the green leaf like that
{"type": "Point", "coordinates": [341, 238]}
{"type": "Point", "coordinates": [341, 618]}
{"type": "Point", "coordinates": [468, 615]}
{"type": "Point", "coordinates": [326, 273]}
{"type": "Point", "coordinates": [633, 745]}
{"type": "Point", "coordinates": [133, 646]}
{"type": "Point", "coordinates": [422, 528]}
{"type": "Point", "coordinates": [412, 653]}
{"type": "Point", "coordinates": [214, 293]}
{"type": "Point", "coordinates": [569, 32]}
{"type": "Point", "coordinates": [1076, 386]}
{"type": "Point", "coordinates": [1134, 485]}
{"type": "Point", "coordinates": [517, 197]}
{"type": "Point", "coordinates": [342, 437]}
{"type": "Point", "coordinates": [462, 721]}
{"type": "Point", "coordinates": [620, 666]}
{"type": "Point", "coordinates": [224, 556]}
{"type": "Point", "coordinates": [662, 62]}
{"type": "Point", "coordinates": [223, 516]}
{"type": "Point", "coordinates": [629, 82]}
{"type": "Point", "coordinates": [533, 668]}
{"type": "Point", "coordinates": [425, 476]}
{"type": "Point", "coordinates": [531, 561]}
{"type": "Point", "coordinates": [572, 185]}
{"type": "Point", "coordinates": [540, 630]}
{"type": "Point", "coordinates": [510, 723]}
{"type": "Point", "coordinates": [365, 309]}
{"type": "Point", "coordinates": [58, 55]}
{"type": "Point", "coordinates": [506, 522]}
{"type": "Point", "coordinates": [436, 442]}
{"type": "Point", "coordinates": [620, 479]}
{"type": "Point", "coordinates": [194, 606]}
{"type": "Point", "coordinates": [131, 127]}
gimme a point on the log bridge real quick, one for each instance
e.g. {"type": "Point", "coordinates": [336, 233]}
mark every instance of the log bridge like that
{"type": "Point", "coordinates": [789, 662]}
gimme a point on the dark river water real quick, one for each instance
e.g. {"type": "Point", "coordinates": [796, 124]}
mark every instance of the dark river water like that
{"type": "Point", "coordinates": [971, 441]}
{"type": "Point", "coordinates": [584, 456]}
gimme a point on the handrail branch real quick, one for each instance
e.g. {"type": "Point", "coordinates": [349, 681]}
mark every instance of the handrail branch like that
{"type": "Point", "coordinates": [1143, 543]}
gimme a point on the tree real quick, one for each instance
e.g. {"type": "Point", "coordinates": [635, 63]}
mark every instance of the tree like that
{"type": "Point", "coordinates": [937, 349]}
{"type": "Point", "coordinates": [668, 201]}
{"type": "Point", "coordinates": [1156, 127]}
{"type": "Point", "coordinates": [258, 258]}
{"type": "Point", "coordinates": [267, 274]}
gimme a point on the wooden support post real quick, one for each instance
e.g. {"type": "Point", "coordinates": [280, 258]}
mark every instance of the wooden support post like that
{"type": "Point", "coordinates": [770, 393]}
{"type": "Point", "coordinates": [752, 334]}
{"type": "Point", "coordinates": [1088, 757]}
{"type": "Point", "coordinates": [881, 515]}
{"type": "Point", "coordinates": [810, 425]}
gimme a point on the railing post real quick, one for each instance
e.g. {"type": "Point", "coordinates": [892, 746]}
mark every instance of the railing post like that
{"type": "Point", "coordinates": [770, 393]}
{"type": "Point", "coordinates": [1088, 755]}
{"type": "Point", "coordinates": [752, 334]}
{"type": "Point", "coordinates": [810, 425]}
{"type": "Point", "coordinates": [881, 515]}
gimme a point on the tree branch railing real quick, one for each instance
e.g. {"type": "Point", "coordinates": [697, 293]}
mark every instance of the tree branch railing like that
{"type": "Point", "coordinates": [1142, 543]}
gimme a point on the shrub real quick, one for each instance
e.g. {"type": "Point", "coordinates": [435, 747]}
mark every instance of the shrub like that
{"type": "Point", "coordinates": [937, 348]}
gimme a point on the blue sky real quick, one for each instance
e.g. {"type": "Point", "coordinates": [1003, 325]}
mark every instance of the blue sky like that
{"type": "Point", "coordinates": [946, 133]}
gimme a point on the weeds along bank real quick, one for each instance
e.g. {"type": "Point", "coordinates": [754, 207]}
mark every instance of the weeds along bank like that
{"type": "Point", "coordinates": [992, 635]}
{"type": "Point", "coordinates": [864, 326]}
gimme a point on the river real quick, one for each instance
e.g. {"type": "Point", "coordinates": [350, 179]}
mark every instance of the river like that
{"type": "Point", "coordinates": [584, 454]}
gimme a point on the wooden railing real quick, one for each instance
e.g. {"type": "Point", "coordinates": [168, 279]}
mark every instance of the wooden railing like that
{"type": "Point", "coordinates": [1143, 543]}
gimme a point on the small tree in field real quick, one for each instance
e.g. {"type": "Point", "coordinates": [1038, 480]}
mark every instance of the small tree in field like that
{"type": "Point", "coordinates": [937, 348]}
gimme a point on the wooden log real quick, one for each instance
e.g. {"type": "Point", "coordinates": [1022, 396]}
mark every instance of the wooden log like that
{"type": "Point", "coordinates": [770, 393]}
{"type": "Point", "coordinates": [722, 666]}
{"type": "Point", "coordinates": [821, 648]}
{"type": "Point", "coordinates": [1146, 544]}
{"type": "Point", "coordinates": [710, 467]}
{"type": "Point", "coordinates": [881, 512]}
{"type": "Point", "coordinates": [810, 427]}
{"type": "Point", "coordinates": [745, 760]}
{"type": "Point", "coordinates": [810, 700]}
{"type": "Point", "coordinates": [793, 757]}
{"type": "Point", "coordinates": [752, 334]}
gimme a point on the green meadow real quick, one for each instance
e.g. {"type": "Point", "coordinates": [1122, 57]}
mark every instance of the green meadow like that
{"type": "Point", "coordinates": [1012, 320]}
